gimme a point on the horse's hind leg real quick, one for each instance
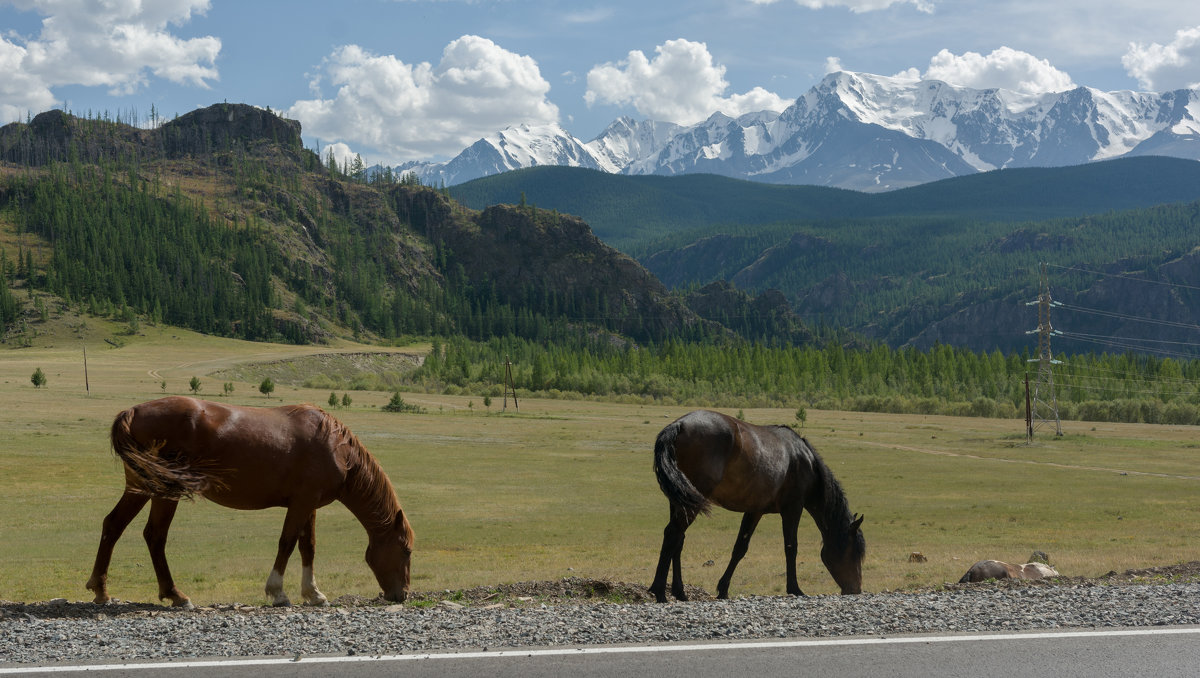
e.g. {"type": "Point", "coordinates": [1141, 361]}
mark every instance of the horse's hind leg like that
{"type": "Point", "coordinates": [162, 512]}
{"type": "Point", "coordinates": [672, 547]}
{"type": "Point", "coordinates": [308, 543]}
{"type": "Point", "coordinates": [114, 525]}
{"type": "Point", "coordinates": [791, 522]}
{"type": "Point", "coordinates": [749, 523]}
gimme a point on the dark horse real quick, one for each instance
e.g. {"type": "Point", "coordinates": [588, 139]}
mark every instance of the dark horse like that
{"type": "Point", "coordinates": [295, 456]}
{"type": "Point", "coordinates": [707, 457]}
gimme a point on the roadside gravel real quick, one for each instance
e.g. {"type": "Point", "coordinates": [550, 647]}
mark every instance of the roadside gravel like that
{"type": "Point", "coordinates": [578, 612]}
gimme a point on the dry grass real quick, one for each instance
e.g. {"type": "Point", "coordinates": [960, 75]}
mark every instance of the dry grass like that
{"type": "Point", "coordinates": [565, 488]}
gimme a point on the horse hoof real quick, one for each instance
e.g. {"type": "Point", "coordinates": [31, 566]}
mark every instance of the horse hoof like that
{"type": "Point", "coordinates": [282, 603]}
{"type": "Point", "coordinates": [185, 604]}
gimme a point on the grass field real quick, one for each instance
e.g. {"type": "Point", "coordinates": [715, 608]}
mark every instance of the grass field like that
{"type": "Point", "coordinates": [565, 488]}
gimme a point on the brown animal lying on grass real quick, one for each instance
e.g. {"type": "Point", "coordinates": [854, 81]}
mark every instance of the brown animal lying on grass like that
{"type": "Point", "coordinates": [995, 569]}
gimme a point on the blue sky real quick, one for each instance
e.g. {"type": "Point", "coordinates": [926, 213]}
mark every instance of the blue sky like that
{"type": "Point", "coordinates": [399, 80]}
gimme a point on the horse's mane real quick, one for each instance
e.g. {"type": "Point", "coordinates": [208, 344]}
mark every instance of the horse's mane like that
{"type": "Point", "coordinates": [364, 476]}
{"type": "Point", "coordinates": [830, 508]}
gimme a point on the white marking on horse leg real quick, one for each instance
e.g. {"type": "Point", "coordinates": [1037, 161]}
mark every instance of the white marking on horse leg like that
{"type": "Point", "coordinates": [275, 590]}
{"type": "Point", "coordinates": [308, 587]}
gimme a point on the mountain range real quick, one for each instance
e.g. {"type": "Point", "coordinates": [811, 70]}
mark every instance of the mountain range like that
{"type": "Point", "coordinates": [862, 132]}
{"type": "Point", "coordinates": [222, 222]}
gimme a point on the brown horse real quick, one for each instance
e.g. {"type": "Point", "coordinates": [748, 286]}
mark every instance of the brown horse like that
{"type": "Point", "coordinates": [295, 456]}
{"type": "Point", "coordinates": [707, 457]}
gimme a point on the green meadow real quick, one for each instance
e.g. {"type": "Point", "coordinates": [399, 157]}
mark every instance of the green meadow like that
{"type": "Point", "coordinates": [561, 488]}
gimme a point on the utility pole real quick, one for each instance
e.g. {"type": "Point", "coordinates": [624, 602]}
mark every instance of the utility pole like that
{"type": "Point", "coordinates": [1045, 401]}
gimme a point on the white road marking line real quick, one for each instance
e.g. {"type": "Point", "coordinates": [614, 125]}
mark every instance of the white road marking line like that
{"type": "Point", "coordinates": [580, 651]}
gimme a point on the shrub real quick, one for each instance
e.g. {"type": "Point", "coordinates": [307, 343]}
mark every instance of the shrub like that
{"type": "Point", "coordinates": [397, 404]}
{"type": "Point", "coordinates": [321, 381]}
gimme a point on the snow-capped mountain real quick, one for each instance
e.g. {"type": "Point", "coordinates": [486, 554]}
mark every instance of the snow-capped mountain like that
{"type": "Point", "coordinates": [510, 149]}
{"type": "Point", "coordinates": [864, 132]}
{"type": "Point", "coordinates": [626, 141]}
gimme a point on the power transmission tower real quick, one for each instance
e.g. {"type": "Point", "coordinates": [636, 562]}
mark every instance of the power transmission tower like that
{"type": "Point", "coordinates": [509, 387]}
{"type": "Point", "coordinates": [1045, 401]}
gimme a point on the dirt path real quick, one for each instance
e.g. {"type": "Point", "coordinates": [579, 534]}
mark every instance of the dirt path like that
{"type": "Point", "coordinates": [1032, 462]}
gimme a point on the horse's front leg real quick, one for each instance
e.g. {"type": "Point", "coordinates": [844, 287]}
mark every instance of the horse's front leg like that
{"type": "Point", "coordinates": [791, 522]}
{"type": "Point", "coordinates": [749, 524]}
{"type": "Point", "coordinates": [293, 524]}
{"type": "Point", "coordinates": [308, 543]}
{"type": "Point", "coordinates": [162, 512]}
{"type": "Point", "coordinates": [114, 525]}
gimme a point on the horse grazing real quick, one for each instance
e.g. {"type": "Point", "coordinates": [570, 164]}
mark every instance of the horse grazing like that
{"type": "Point", "coordinates": [295, 456]}
{"type": "Point", "coordinates": [706, 458]}
{"type": "Point", "coordinates": [997, 569]}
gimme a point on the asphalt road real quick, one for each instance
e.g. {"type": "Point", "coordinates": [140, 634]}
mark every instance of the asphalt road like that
{"type": "Point", "coordinates": [1160, 652]}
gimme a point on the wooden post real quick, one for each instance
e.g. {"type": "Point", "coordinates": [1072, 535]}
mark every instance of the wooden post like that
{"type": "Point", "coordinates": [1028, 412]}
{"type": "Point", "coordinates": [86, 386]}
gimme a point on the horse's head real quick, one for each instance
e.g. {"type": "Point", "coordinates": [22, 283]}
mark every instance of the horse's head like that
{"type": "Point", "coordinates": [389, 553]}
{"type": "Point", "coordinates": [843, 558]}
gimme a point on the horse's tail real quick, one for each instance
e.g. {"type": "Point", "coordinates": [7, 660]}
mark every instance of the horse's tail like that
{"type": "Point", "coordinates": [152, 472]}
{"type": "Point", "coordinates": [679, 490]}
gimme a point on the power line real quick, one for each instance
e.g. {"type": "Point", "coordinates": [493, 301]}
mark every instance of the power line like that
{"type": "Point", "coordinates": [1126, 316]}
{"type": "Point", "coordinates": [1124, 277]}
{"type": "Point", "coordinates": [1148, 341]}
{"type": "Point", "coordinates": [1106, 391]}
{"type": "Point", "coordinates": [1125, 373]}
{"type": "Point", "coordinates": [1092, 377]}
{"type": "Point", "coordinates": [1129, 344]}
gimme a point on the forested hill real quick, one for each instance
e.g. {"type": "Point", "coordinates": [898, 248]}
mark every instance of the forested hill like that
{"type": "Point", "coordinates": [631, 212]}
{"type": "Point", "coordinates": [953, 262]}
{"type": "Point", "coordinates": [221, 221]}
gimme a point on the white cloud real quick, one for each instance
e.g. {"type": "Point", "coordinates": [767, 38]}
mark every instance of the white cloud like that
{"type": "Point", "coordinates": [857, 6]}
{"type": "Point", "coordinates": [115, 44]}
{"type": "Point", "coordinates": [1004, 68]}
{"type": "Point", "coordinates": [1165, 67]}
{"type": "Point", "coordinates": [20, 92]}
{"type": "Point", "coordinates": [589, 16]}
{"type": "Point", "coordinates": [342, 154]}
{"type": "Point", "coordinates": [407, 112]}
{"type": "Point", "coordinates": [680, 84]}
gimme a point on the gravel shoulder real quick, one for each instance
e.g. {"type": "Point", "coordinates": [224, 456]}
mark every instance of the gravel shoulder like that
{"type": "Point", "coordinates": [579, 611]}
